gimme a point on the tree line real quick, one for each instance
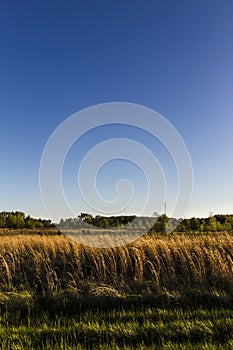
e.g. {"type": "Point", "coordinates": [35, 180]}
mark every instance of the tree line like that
{"type": "Point", "coordinates": [156, 224]}
{"type": "Point", "coordinates": [97, 221]}
{"type": "Point", "coordinates": [18, 219]}
{"type": "Point", "coordinates": [162, 224]}
{"type": "Point", "coordinates": [214, 223]}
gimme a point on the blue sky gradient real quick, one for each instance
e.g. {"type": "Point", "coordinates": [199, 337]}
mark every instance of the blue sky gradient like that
{"type": "Point", "coordinates": [58, 57]}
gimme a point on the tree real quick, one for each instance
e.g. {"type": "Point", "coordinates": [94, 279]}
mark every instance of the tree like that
{"type": "Point", "coordinates": [212, 224]}
{"type": "Point", "coordinates": [194, 224]}
{"type": "Point", "coordinates": [88, 218]}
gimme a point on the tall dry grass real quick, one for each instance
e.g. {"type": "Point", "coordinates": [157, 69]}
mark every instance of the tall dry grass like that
{"type": "Point", "coordinates": [50, 265]}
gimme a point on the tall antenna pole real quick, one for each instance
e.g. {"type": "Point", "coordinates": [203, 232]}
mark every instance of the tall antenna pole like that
{"type": "Point", "coordinates": [165, 208]}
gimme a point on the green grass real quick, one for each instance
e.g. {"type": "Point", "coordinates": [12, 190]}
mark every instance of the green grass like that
{"type": "Point", "coordinates": [112, 323]}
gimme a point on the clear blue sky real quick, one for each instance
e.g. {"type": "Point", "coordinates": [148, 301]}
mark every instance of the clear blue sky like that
{"type": "Point", "coordinates": [58, 57]}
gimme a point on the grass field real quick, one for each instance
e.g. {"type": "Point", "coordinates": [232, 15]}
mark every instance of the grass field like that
{"type": "Point", "coordinates": [158, 292]}
{"type": "Point", "coordinates": [118, 326]}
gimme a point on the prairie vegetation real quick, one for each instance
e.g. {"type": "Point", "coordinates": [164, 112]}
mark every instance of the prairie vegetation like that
{"type": "Point", "coordinates": [157, 292]}
{"type": "Point", "coordinates": [51, 265]}
{"type": "Point", "coordinates": [126, 327]}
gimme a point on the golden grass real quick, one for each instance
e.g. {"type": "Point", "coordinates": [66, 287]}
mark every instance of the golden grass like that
{"type": "Point", "coordinates": [54, 264]}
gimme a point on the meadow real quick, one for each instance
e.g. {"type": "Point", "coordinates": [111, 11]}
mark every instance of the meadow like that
{"type": "Point", "coordinates": [165, 292]}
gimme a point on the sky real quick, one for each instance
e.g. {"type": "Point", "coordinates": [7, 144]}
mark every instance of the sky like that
{"type": "Point", "coordinates": [59, 57]}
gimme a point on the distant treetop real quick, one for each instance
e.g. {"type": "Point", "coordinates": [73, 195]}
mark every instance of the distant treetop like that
{"type": "Point", "coordinates": [18, 219]}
